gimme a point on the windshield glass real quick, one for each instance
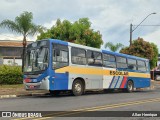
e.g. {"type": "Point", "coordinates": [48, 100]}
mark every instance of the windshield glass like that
{"type": "Point", "coordinates": [36, 59]}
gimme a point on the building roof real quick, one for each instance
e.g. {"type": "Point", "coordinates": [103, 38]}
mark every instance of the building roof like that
{"type": "Point", "coordinates": [12, 43]}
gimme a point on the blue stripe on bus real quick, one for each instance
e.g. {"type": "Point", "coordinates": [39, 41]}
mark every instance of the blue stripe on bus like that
{"type": "Point", "coordinates": [59, 41]}
{"type": "Point", "coordinates": [114, 82]}
{"type": "Point", "coordinates": [111, 81]}
{"type": "Point", "coordinates": [117, 81]}
{"type": "Point", "coordinates": [140, 82]}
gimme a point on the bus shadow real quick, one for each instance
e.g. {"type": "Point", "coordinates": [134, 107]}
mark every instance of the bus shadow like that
{"type": "Point", "coordinates": [88, 93]}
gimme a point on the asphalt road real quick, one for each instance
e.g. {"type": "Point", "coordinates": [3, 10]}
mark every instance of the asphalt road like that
{"type": "Point", "coordinates": [142, 100]}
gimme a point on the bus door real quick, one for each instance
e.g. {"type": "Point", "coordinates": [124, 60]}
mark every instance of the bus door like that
{"type": "Point", "coordinates": [109, 64]}
{"type": "Point", "coordinates": [60, 61]}
{"type": "Point", "coordinates": [96, 70]}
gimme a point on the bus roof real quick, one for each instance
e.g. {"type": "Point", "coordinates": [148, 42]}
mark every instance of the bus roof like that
{"type": "Point", "coordinates": [96, 49]}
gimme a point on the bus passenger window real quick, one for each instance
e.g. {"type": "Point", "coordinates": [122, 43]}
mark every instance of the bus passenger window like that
{"type": "Point", "coordinates": [141, 65]}
{"type": "Point", "coordinates": [78, 56]}
{"type": "Point", "coordinates": [121, 62]}
{"type": "Point", "coordinates": [132, 64]}
{"type": "Point", "coordinates": [94, 58]}
{"type": "Point", "coordinates": [109, 61]}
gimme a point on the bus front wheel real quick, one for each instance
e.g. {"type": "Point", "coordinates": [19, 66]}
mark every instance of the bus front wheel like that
{"type": "Point", "coordinates": [130, 86]}
{"type": "Point", "coordinates": [77, 87]}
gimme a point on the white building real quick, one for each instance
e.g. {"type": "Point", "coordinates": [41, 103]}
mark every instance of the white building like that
{"type": "Point", "coordinates": [11, 52]}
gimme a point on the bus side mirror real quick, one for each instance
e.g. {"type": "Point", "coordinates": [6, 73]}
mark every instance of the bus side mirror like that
{"type": "Point", "coordinates": [57, 52]}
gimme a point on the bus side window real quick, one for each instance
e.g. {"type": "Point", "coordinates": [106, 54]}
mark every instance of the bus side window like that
{"type": "Point", "coordinates": [121, 62]}
{"type": "Point", "coordinates": [141, 65]}
{"type": "Point", "coordinates": [78, 56]}
{"type": "Point", "coordinates": [94, 58]}
{"type": "Point", "coordinates": [109, 61]}
{"type": "Point", "coordinates": [132, 64]}
{"type": "Point", "coordinates": [147, 65]}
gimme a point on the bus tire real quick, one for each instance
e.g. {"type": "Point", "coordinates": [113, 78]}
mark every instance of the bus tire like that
{"type": "Point", "coordinates": [77, 87]}
{"type": "Point", "coordinates": [130, 86]}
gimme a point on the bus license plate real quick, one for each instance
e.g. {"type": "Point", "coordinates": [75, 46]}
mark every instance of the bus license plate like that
{"type": "Point", "coordinates": [31, 86]}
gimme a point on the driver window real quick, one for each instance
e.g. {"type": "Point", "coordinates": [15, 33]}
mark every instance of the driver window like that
{"type": "Point", "coordinates": [60, 56]}
{"type": "Point", "coordinates": [63, 57]}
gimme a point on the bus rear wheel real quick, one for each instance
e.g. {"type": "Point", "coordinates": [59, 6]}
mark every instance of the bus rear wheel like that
{"type": "Point", "coordinates": [77, 87]}
{"type": "Point", "coordinates": [130, 86]}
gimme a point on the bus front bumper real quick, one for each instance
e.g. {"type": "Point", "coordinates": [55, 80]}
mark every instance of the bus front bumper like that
{"type": "Point", "coordinates": [32, 85]}
{"type": "Point", "coordinates": [42, 85]}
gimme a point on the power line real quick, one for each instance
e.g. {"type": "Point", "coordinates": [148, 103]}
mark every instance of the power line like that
{"type": "Point", "coordinates": [146, 25]}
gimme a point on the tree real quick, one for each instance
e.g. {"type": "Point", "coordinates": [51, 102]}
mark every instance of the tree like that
{"type": "Point", "coordinates": [154, 60]}
{"type": "Point", "coordinates": [143, 49]}
{"type": "Point", "coordinates": [79, 32]}
{"type": "Point", "coordinates": [113, 47]}
{"type": "Point", "coordinates": [22, 25]}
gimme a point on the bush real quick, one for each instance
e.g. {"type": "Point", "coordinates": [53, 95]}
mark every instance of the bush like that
{"type": "Point", "coordinates": [10, 75]}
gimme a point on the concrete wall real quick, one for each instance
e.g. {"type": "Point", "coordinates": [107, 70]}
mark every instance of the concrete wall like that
{"type": "Point", "coordinates": [12, 61]}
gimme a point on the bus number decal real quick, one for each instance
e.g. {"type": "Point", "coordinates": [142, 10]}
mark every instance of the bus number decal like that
{"type": "Point", "coordinates": [118, 73]}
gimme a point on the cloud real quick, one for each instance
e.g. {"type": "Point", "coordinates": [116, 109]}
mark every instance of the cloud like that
{"type": "Point", "coordinates": [15, 37]}
{"type": "Point", "coordinates": [111, 17]}
{"type": "Point", "coordinates": [153, 37]}
{"type": "Point", "coordinates": [50, 24]}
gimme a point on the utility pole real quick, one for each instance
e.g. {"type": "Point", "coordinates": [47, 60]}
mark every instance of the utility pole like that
{"type": "Point", "coordinates": [131, 30]}
{"type": "Point", "coordinates": [131, 34]}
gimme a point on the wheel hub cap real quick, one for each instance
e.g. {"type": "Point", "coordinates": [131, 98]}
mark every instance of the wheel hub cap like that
{"type": "Point", "coordinates": [78, 88]}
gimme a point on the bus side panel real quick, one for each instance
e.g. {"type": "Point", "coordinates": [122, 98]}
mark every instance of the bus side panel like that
{"type": "Point", "coordinates": [91, 81]}
{"type": "Point", "coordinates": [60, 82]}
{"type": "Point", "coordinates": [140, 82]}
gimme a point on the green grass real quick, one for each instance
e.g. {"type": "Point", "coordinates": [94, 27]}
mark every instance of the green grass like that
{"type": "Point", "coordinates": [12, 86]}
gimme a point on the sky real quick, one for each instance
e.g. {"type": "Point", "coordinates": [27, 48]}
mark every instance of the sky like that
{"type": "Point", "coordinates": [111, 17]}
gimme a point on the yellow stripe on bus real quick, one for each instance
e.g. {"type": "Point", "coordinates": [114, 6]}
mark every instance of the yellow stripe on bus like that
{"type": "Point", "coordinates": [80, 70]}
{"type": "Point", "coordinates": [100, 71]}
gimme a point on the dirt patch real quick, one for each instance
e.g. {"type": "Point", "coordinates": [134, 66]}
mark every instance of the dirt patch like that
{"type": "Point", "coordinates": [17, 90]}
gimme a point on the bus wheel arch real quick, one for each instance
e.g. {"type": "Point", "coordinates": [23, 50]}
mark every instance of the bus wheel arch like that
{"type": "Point", "coordinates": [78, 86]}
{"type": "Point", "coordinates": [130, 86]}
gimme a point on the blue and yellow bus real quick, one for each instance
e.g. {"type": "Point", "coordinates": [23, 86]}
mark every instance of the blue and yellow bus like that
{"type": "Point", "coordinates": [56, 65]}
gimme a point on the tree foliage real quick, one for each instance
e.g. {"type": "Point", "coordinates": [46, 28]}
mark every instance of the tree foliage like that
{"type": "Point", "coordinates": [22, 25]}
{"type": "Point", "coordinates": [143, 49]}
{"type": "Point", "coordinates": [113, 47]}
{"type": "Point", "coordinates": [79, 32]}
{"type": "Point", "coordinates": [153, 62]}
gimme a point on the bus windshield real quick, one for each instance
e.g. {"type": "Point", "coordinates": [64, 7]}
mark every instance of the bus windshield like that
{"type": "Point", "coordinates": [36, 59]}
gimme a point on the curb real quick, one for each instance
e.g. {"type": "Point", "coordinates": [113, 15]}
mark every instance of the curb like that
{"type": "Point", "coordinates": [8, 96]}
{"type": "Point", "coordinates": [21, 95]}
